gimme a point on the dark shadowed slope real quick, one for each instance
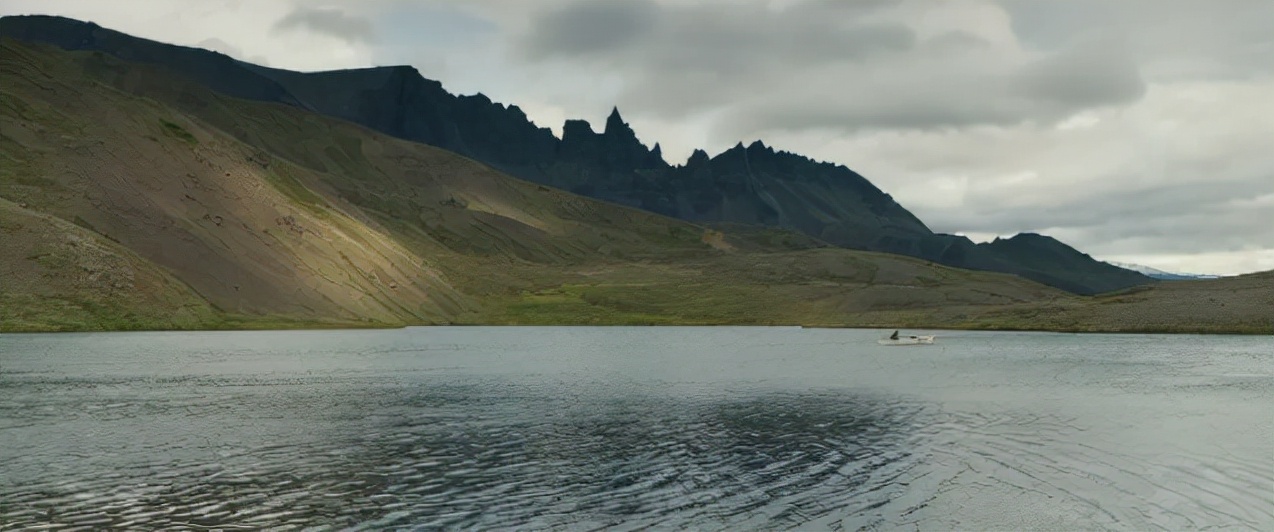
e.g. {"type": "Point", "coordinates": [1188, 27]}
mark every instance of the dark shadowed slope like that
{"type": "Point", "coordinates": [749, 185]}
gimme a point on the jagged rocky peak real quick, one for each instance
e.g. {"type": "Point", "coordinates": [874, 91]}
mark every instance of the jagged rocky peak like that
{"type": "Point", "coordinates": [482, 98]}
{"type": "Point", "coordinates": [413, 76]}
{"type": "Point", "coordinates": [698, 158]}
{"type": "Point", "coordinates": [579, 141]}
{"type": "Point", "coordinates": [758, 146]}
{"type": "Point", "coordinates": [738, 151]}
{"type": "Point", "coordinates": [1028, 238]}
{"type": "Point", "coordinates": [576, 128]}
{"type": "Point", "coordinates": [517, 111]}
{"type": "Point", "coordinates": [339, 82]}
{"type": "Point", "coordinates": [615, 125]}
{"type": "Point", "coordinates": [406, 70]}
{"type": "Point", "coordinates": [624, 148]}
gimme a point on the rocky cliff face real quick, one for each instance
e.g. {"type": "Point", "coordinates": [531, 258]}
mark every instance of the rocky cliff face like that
{"type": "Point", "coordinates": [400, 102]}
{"type": "Point", "coordinates": [751, 184]}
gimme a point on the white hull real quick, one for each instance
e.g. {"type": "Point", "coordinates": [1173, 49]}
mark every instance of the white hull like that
{"type": "Point", "coordinates": [907, 340]}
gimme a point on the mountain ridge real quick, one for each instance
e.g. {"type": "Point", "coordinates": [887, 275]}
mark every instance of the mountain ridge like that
{"type": "Point", "coordinates": [752, 184]}
{"type": "Point", "coordinates": [134, 198]}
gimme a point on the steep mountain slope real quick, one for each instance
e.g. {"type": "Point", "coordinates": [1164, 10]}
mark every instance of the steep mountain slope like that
{"type": "Point", "coordinates": [131, 197]}
{"type": "Point", "coordinates": [194, 202]}
{"type": "Point", "coordinates": [56, 274]}
{"type": "Point", "coordinates": [752, 185]}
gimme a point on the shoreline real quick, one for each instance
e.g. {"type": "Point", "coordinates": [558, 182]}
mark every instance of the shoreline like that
{"type": "Point", "coordinates": [356, 326]}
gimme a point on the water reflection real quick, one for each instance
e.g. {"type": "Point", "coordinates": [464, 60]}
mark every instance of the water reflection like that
{"type": "Point", "coordinates": [666, 428]}
{"type": "Point", "coordinates": [485, 455]}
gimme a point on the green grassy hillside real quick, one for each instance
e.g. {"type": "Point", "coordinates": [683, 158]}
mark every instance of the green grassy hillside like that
{"type": "Point", "coordinates": [133, 199]}
{"type": "Point", "coordinates": [1242, 304]}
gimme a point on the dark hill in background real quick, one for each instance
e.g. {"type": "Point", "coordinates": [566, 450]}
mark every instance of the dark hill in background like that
{"type": "Point", "coordinates": [754, 185]}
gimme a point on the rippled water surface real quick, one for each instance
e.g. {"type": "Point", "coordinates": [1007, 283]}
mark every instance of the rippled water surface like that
{"type": "Point", "coordinates": [635, 428]}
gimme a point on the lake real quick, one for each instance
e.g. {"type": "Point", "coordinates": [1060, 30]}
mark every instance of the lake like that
{"type": "Point", "coordinates": [729, 428]}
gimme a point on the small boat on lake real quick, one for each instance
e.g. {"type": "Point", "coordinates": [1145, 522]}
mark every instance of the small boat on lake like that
{"type": "Point", "coordinates": [895, 339]}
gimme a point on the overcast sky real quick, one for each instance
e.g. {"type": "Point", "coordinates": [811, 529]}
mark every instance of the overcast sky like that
{"type": "Point", "coordinates": [1139, 131]}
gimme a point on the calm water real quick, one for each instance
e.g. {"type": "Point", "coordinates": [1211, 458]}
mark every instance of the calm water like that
{"type": "Point", "coordinates": [634, 428]}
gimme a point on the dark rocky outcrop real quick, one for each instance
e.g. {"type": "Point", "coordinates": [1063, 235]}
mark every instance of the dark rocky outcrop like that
{"type": "Point", "coordinates": [752, 184]}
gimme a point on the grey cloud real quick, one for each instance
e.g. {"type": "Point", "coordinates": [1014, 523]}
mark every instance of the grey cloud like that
{"type": "Point", "coordinates": [706, 41]}
{"type": "Point", "coordinates": [952, 93]}
{"type": "Point", "coordinates": [822, 64]}
{"type": "Point", "coordinates": [1172, 39]}
{"type": "Point", "coordinates": [1096, 209]}
{"type": "Point", "coordinates": [947, 105]}
{"type": "Point", "coordinates": [586, 28]}
{"type": "Point", "coordinates": [218, 45]}
{"type": "Point", "coordinates": [940, 93]}
{"type": "Point", "coordinates": [328, 21]}
{"type": "Point", "coordinates": [1183, 233]}
{"type": "Point", "coordinates": [955, 41]}
{"type": "Point", "coordinates": [659, 38]}
{"type": "Point", "coordinates": [224, 47]}
{"type": "Point", "coordinates": [915, 110]}
{"type": "Point", "coordinates": [1197, 217]}
{"type": "Point", "coordinates": [1092, 74]}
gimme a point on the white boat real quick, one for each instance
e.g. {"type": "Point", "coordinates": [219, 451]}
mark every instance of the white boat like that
{"type": "Point", "coordinates": [907, 340]}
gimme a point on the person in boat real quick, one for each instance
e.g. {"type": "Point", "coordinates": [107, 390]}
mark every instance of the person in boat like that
{"type": "Point", "coordinates": [894, 336]}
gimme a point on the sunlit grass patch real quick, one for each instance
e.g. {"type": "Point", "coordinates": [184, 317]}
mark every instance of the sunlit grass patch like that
{"type": "Point", "coordinates": [176, 130]}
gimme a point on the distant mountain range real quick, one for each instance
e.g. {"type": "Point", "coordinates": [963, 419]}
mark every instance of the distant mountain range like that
{"type": "Point", "coordinates": [751, 185]}
{"type": "Point", "coordinates": [1160, 274]}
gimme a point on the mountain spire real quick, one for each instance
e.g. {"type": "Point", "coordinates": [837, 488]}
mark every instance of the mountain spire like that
{"type": "Point", "coordinates": [615, 123]}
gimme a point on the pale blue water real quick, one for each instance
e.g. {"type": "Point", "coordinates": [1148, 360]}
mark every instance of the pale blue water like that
{"type": "Point", "coordinates": [635, 428]}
